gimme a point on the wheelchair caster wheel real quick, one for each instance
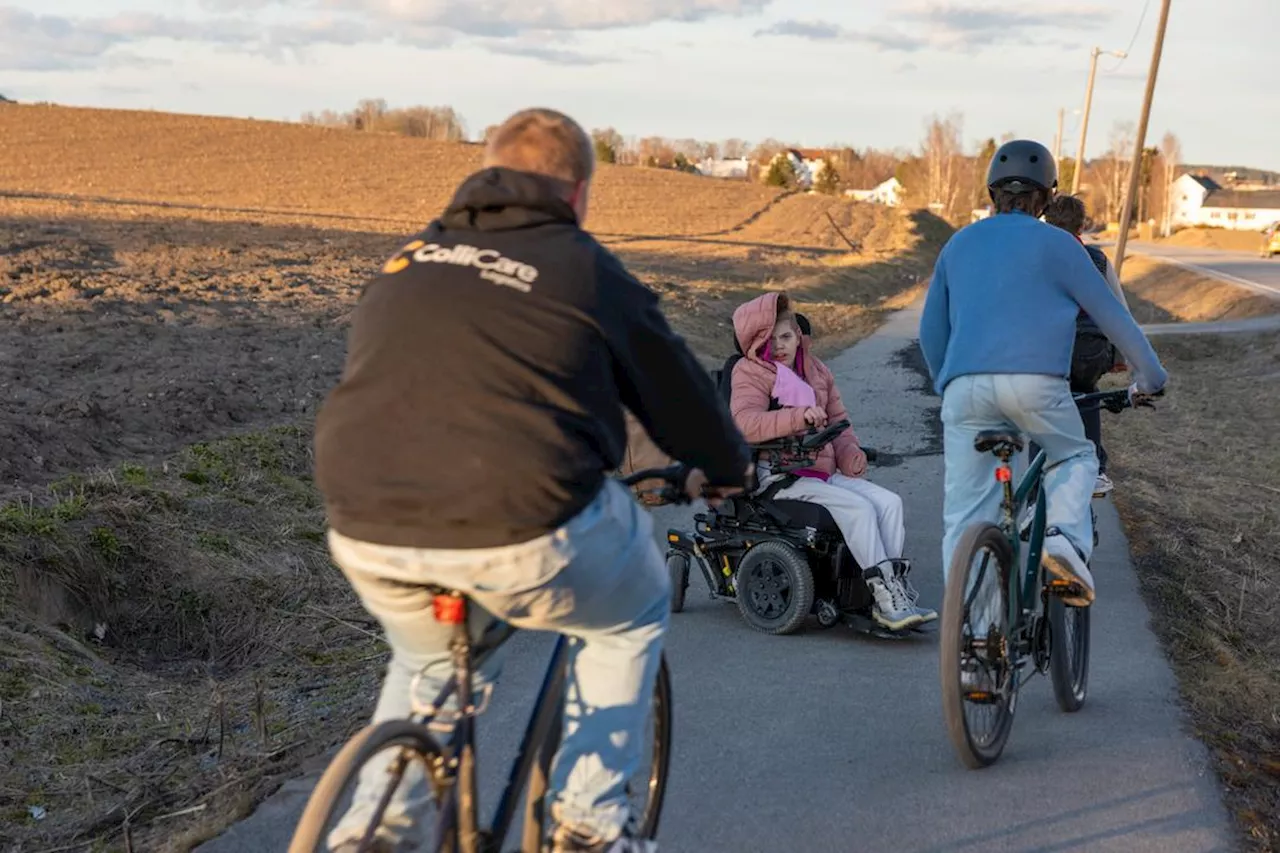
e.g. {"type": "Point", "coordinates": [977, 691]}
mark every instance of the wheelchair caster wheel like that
{"type": "Point", "coordinates": [828, 615]}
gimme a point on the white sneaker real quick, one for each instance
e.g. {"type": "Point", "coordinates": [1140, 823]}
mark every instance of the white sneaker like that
{"type": "Point", "coordinates": [892, 609]}
{"type": "Point", "coordinates": [902, 571]}
{"type": "Point", "coordinates": [1064, 562]}
{"type": "Point", "coordinates": [1102, 486]}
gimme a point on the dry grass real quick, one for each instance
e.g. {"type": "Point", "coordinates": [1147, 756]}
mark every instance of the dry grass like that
{"type": "Point", "coordinates": [1216, 238]}
{"type": "Point", "coordinates": [172, 639]}
{"type": "Point", "coordinates": [1167, 293]}
{"type": "Point", "coordinates": [1198, 486]}
{"type": "Point", "coordinates": [297, 169]}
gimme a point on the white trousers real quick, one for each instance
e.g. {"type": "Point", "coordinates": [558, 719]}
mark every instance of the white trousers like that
{"type": "Point", "coordinates": [869, 516]}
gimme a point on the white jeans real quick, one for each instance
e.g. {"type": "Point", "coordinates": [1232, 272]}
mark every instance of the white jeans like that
{"type": "Point", "coordinates": [1039, 407]}
{"type": "Point", "coordinates": [869, 516]}
{"type": "Point", "coordinates": [599, 579]}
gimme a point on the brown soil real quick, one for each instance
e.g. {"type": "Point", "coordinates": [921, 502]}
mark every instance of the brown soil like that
{"type": "Point", "coordinates": [1196, 483]}
{"type": "Point", "coordinates": [172, 635]}
{"type": "Point", "coordinates": [1216, 238]}
{"type": "Point", "coordinates": [234, 164]}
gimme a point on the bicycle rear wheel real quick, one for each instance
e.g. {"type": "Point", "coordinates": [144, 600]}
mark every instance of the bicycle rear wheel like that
{"type": "Point", "coordinates": [329, 800]}
{"type": "Point", "coordinates": [976, 664]}
{"type": "Point", "coordinates": [1068, 653]}
{"type": "Point", "coordinates": [648, 788]}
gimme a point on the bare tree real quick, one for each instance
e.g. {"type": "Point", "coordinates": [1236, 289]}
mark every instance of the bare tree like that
{"type": "Point", "coordinates": [1112, 171]}
{"type": "Point", "coordinates": [1171, 154]}
{"type": "Point", "coordinates": [732, 149]}
{"type": "Point", "coordinates": [655, 151]}
{"type": "Point", "coordinates": [766, 150]}
{"type": "Point", "coordinates": [942, 151]}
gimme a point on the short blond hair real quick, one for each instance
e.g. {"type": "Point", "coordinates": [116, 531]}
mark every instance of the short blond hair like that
{"type": "Point", "coordinates": [543, 141]}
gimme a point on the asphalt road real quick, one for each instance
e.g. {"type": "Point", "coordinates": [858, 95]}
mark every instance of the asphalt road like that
{"type": "Point", "coordinates": [1247, 269]}
{"type": "Point", "coordinates": [831, 741]}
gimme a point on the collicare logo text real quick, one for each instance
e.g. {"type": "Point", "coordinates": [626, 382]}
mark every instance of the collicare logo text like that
{"type": "Point", "coordinates": [493, 265]}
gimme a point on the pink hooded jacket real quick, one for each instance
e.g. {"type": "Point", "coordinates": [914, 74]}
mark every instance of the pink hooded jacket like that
{"type": "Point", "coordinates": [752, 387]}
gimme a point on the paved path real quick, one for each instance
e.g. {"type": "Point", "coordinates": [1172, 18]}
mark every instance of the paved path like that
{"type": "Point", "coordinates": [1247, 269]}
{"type": "Point", "coordinates": [829, 742]}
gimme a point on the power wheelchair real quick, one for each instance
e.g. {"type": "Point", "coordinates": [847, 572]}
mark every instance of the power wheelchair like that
{"type": "Point", "coordinates": [780, 560]}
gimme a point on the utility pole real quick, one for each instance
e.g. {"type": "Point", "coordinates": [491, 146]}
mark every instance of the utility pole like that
{"type": "Point", "coordinates": [1088, 104]}
{"type": "Point", "coordinates": [1135, 166]}
{"type": "Point", "coordinates": [1057, 139]}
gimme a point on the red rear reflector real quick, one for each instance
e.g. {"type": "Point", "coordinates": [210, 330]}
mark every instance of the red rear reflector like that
{"type": "Point", "coordinates": [1004, 474]}
{"type": "Point", "coordinates": [448, 609]}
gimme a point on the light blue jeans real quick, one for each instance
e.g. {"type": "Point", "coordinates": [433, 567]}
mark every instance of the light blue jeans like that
{"type": "Point", "coordinates": [1041, 408]}
{"type": "Point", "coordinates": [600, 580]}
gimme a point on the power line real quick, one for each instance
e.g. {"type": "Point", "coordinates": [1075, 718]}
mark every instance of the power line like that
{"type": "Point", "coordinates": [1136, 30]}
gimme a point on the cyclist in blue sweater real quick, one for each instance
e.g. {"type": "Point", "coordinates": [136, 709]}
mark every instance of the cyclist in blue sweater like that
{"type": "Point", "coordinates": [997, 332]}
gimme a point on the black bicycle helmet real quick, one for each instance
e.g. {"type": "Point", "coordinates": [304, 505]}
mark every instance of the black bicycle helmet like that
{"type": "Point", "coordinates": [1021, 166]}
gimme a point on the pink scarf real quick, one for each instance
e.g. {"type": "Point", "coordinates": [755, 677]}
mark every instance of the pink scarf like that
{"type": "Point", "coordinates": [790, 390]}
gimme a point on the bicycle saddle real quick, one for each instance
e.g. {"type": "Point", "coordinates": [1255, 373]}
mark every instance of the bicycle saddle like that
{"type": "Point", "coordinates": [990, 439]}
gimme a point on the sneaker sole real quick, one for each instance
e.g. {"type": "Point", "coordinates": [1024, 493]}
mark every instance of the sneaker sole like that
{"type": "Point", "coordinates": [1062, 570]}
{"type": "Point", "coordinates": [898, 625]}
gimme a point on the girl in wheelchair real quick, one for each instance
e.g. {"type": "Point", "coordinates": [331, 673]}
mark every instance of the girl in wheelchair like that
{"type": "Point", "coordinates": [779, 389]}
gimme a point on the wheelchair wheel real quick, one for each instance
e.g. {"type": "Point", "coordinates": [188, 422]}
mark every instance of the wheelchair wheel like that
{"type": "Point", "coordinates": [678, 569]}
{"type": "Point", "coordinates": [775, 588]}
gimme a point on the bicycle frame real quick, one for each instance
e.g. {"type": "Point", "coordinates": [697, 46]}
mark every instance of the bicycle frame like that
{"type": "Point", "coordinates": [459, 811]}
{"type": "Point", "coordinates": [1025, 585]}
{"type": "Point", "coordinates": [1025, 578]}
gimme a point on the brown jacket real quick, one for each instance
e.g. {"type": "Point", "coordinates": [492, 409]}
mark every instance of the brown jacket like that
{"type": "Point", "coordinates": [753, 379]}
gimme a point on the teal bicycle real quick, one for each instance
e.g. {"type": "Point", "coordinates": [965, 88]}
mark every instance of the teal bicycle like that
{"type": "Point", "coordinates": [1003, 617]}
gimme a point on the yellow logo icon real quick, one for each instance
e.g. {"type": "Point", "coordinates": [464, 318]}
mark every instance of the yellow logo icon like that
{"type": "Point", "coordinates": [400, 261]}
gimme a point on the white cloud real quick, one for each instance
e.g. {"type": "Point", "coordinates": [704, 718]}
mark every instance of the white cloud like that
{"type": "Point", "coordinates": [32, 42]}
{"type": "Point", "coordinates": [962, 27]}
{"type": "Point", "coordinates": [39, 42]}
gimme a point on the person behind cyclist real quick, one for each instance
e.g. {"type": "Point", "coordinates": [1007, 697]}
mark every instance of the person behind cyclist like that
{"type": "Point", "coordinates": [1093, 355]}
{"type": "Point", "coordinates": [997, 333]}
{"type": "Point", "coordinates": [467, 444]}
{"type": "Point", "coordinates": [781, 389]}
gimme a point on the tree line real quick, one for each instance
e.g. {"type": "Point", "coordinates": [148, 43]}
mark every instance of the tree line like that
{"type": "Point", "coordinates": [941, 173]}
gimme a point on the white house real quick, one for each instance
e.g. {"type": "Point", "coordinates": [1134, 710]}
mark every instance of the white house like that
{"type": "Point", "coordinates": [807, 164]}
{"type": "Point", "coordinates": [733, 169]}
{"type": "Point", "coordinates": [1197, 200]}
{"type": "Point", "coordinates": [888, 193]}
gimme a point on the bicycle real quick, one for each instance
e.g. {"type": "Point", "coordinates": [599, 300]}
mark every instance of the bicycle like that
{"type": "Point", "coordinates": [451, 770]}
{"type": "Point", "coordinates": [1030, 622]}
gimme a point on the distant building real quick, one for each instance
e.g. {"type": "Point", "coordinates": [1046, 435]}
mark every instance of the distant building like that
{"type": "Point", "coordinates": [1201, 201]}
{"type": "Point", "coordinates": [730, 168]}
{"type": "Point", "coordinates": [888, 193]}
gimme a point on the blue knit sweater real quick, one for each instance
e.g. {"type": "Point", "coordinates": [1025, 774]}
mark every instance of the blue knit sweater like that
{"type": "Point", "coordinates": [1004, 298]}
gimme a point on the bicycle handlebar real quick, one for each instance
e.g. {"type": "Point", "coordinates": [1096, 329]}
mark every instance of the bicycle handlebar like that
{"type": "Point", "coordinates": [671, 490]}
{"type": "Point", "coordinates": [1114, 401]}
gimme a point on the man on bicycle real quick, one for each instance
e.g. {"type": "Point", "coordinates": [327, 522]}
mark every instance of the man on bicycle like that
{"type": "Point", "coordinates": [468, 444]}
{"type": "Point", "coordinates": [997, 332]}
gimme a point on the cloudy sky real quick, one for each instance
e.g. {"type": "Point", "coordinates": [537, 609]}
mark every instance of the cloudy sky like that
{"type": "Point", "coordinates": [859, 72]}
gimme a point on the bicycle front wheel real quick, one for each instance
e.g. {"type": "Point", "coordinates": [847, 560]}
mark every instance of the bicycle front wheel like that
{"type": "Point", "coordinates": [977, 664]}
{"type": "Point", "coordinates": [651, 789]}
{"type": "Point", "coordinates": [397, 744]}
